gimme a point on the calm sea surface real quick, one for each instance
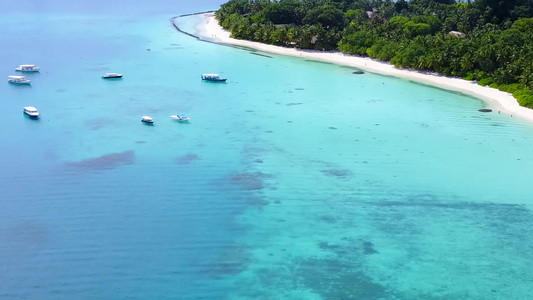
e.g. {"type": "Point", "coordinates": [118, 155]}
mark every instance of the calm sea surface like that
{"type": "Point", "coordinates": [294, 180]}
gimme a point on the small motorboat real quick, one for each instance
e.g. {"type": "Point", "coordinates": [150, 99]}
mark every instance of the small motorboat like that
{"type": "Point", "coordinates": [18, 80]}
{"type": "Point", "coordinates": [112, 76]}
{"type": "Point", "coordinates": [31, 112]}
{"type": "Point", "coordinates": [182, 119]}
{"type": "Point", "coordinates": [147, 120]}
{"type": "Point", "coordinates": [27, 68]}
{"type": "Point", "coordinates": [213, 77]}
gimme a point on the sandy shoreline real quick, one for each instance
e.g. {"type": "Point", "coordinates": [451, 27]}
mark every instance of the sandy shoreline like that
{"type": "Point", "coordinates": [210, 30]}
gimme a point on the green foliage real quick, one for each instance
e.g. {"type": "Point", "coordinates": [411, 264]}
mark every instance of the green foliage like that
{"type": "Point", "coordinates": [524, 97]}
{"type": "Point", "coordinates": [510, 88]}
{"type": "Point", "coordinates": [398, 22]}
{"type": "Point", "coordinates": [469, 76]}
{"type": "Point", "coordinates": [284, 12]}
{"type": "Point", "coordinates": [356, 43]}
{"type": "Point", "coordinates": [327, 16]}
{"type": "Point", "coordinates": [382, 49]}
{"type": "Point", "coordinates": [434, 23]}
{"type": "Point", "coordinates": [410, 56]}
{"type": "Point", "coordinates": [413, 29]}
{"type": "Point", "coordinates": [486, 81]}
{"type": "Point", "coordinates": [524, 25]}
{"type": "Point", "coordinates": [355, 15]}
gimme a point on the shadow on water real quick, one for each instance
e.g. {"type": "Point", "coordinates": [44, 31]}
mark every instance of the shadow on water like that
{"type": "Point", "coordinates": [319, 62]}
{"type": "Point", "coordinates": [436, 87]}
{"type": "Point", "coordinates": [260, 54]}
{"type": "Point", "coordinates": [32, 119]}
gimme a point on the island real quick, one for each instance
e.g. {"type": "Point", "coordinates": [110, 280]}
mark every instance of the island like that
{"type": "Point", "coordinates": [483, 48]}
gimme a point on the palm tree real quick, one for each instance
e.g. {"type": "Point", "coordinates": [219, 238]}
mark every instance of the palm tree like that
{"type": "Point", "coordinates": [526, 78]}
{"type": "Point", "coordinates": [467, 62]}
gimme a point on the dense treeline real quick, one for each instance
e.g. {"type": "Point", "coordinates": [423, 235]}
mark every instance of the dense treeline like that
{"type": "Point", "coordinates": [491, 40]}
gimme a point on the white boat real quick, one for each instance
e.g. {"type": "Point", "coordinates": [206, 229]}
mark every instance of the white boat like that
{"type": "Point", "coordinates": [31, 112]}
{"type": "Point", "coordinates": [147, 120]}
{"type": "Point", "coordinates": [180, 118]}
{"type": "Point", "coordinates": [112, 75]}
{"type": "Point", "coordinates": [27, 68]}
{"type": "Point", "coordinates": [18, 79]}
{"type": "Point", "coordinates": [213, 77]}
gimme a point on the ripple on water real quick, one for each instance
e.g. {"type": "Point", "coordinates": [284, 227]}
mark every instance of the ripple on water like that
{"type": "Point", "coordinates": [25, 234]}
{"type": "Point", "coordinates": [97, 123]}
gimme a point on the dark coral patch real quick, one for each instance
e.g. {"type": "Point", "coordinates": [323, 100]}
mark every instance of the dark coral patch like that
{"type": "Point", "coordinates": [104, 162]}
{"type": "Point", "coordinates": [249, 181]}
{"type": "Point", "coordinates": [328, 246]}
{"type": "Point", "coordinates": [368, 248]}
{"type": "Point", "coordinates": [337, 172]}
{"type": "Point", "coordinates": [328, 219]}
{"type": "Point", "coordinates": [186, 159]}
{"type": "Point", "coordinates": [233, 259]}
{"type": "Point", "coordinates": [97, 123]}
{"type": "Point", "coordinates": [338, 279]}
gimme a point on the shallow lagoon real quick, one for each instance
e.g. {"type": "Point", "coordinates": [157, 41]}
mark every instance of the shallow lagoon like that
{"type": "Point", "coordinates": [294, 180]}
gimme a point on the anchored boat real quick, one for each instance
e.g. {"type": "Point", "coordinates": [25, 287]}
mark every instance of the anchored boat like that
{"type": "Point", "coordinates": [213, 77]}
{"type": "Point", "coordinates": [18, 79]}
{"type": "Point", "coordinates": [27, 68]}
{"type": "Point", "coordinates": [112, 76]}
{"type": "Point", "coordinates": [31, 112]}
{"type": "Point", "coordinates": [181, 119]}
{"type": "Point", "coordinates": [147, 120]}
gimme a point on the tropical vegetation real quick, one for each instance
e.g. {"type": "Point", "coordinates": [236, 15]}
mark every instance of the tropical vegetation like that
{"type": "Point", "coordinates": [490, 41]}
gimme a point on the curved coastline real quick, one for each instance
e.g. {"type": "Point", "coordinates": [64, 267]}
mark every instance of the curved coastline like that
{"type": "Point", "coordinates": [210, 31]}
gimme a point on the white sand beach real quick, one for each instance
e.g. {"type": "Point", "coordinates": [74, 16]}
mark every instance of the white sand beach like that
{"type": "Point", "coordinates": [210, 30]}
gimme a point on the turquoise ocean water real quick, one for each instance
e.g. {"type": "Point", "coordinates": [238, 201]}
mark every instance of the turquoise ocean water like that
{"type": "Point", "coordinates": [294, 180]}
